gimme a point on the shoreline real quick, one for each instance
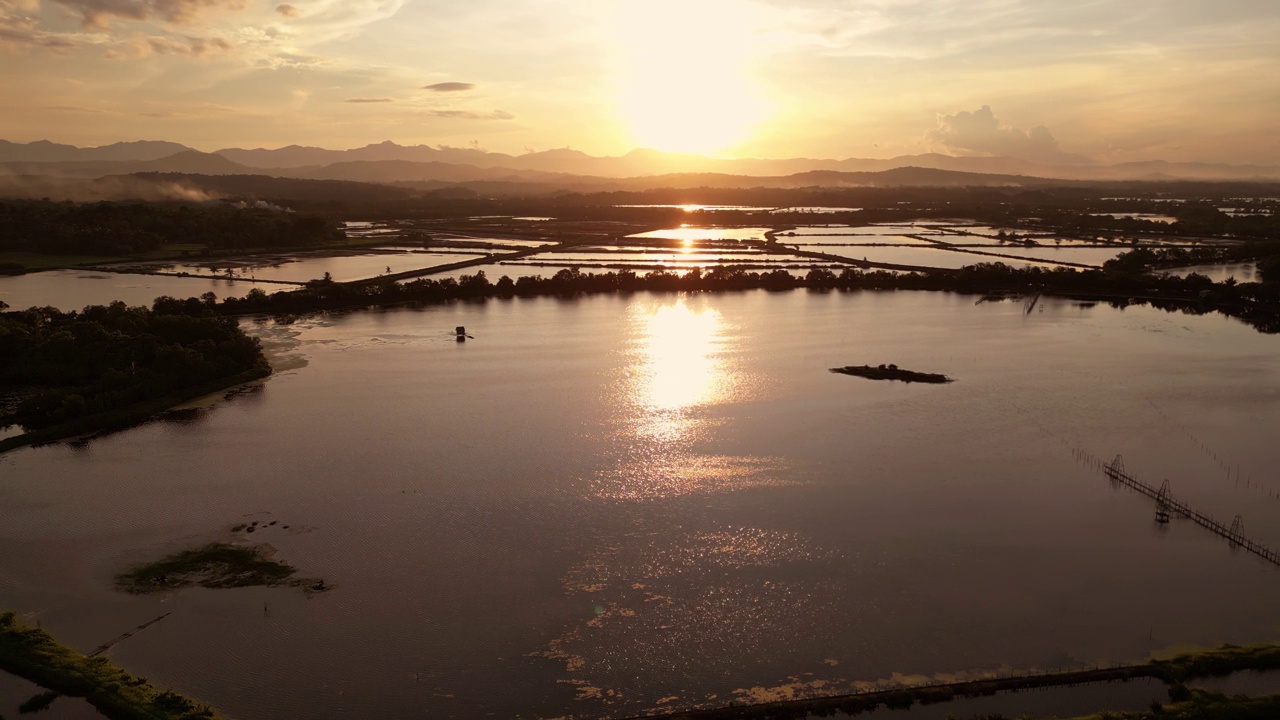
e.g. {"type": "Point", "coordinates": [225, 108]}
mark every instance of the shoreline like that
{"type": "Point", "coordinates": [34, 655]}
{"type": "Point", "coordinates": [130, 416]}
{"type": "Point", "coordinates": [1174, 671]}
{"type": "Point", "coordinates": [1255, 304]}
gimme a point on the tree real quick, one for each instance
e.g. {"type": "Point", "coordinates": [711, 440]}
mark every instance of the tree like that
{"type": "Point", "coordinates": [1269, 270]}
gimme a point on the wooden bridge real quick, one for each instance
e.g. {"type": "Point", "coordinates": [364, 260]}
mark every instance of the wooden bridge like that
{"type": "Point", "coordinates": [1167, 505]}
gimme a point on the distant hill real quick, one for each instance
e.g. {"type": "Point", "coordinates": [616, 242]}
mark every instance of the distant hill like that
{"type": "Point", "coordinates": [279, 189]}
{"type": "Point", "coordinates": [396, 171]}
{"type": "Point", "coordinates": [44, 151]}
{"type": "Point", "coordinates": [185, 161]}
{"type": "Point", "coordinates": [426, 169]}
{"type": "Point", "coordinates": [296, 156]}
{"type": "Point", "coordinates": [646, 162]}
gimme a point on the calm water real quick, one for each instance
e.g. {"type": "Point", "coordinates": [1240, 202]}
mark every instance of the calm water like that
{"type": "Point", "coordinates": [304, 267]}
{"type": "Point", "coordinates": [74, 289]}
{"type": "Point", "coordinates": [694, 234]}
{"type": "Point", "coordinates": [931, 256]}
{"type": "Point", "coordinates": [1242, 272]}
{"type": "Point", "coordinates": [613, 504]}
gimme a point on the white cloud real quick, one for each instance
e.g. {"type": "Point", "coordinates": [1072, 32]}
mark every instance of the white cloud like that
{"type": "Point", "coordinates": [99, 13]}
{"type": "Point", "coordinates": [981, 133]}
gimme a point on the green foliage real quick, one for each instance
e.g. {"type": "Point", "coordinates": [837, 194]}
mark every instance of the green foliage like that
{"type": "Point", "coordinates": [33, 654]}
{"type": "Point", "coordinates": [108, 357]}
{"type": "Point", "coordinates": [117, 229]}
{"type": "Point", "coordinates": [1204, 705]}
{"type": "Point", "coordinates": [217, 565]}
{"type": "Point", "coordinates": [1223, 661]}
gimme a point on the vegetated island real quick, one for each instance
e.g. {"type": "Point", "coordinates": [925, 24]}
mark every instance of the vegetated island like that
{"type": "Point", "coordinates": [215, 566]}
{"type": "Point", "coordinates": [109, 367]}
{"type": "Point", "coordinates": [891, 372]}
{"type": "Point", "coordinates": [33, 654]}
{"type": "Point", "coordinates": [1184, 703]}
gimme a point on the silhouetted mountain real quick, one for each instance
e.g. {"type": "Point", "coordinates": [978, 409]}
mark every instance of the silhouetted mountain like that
{"type": "Point", "coordinates": [296, 156]}
{"type": "Point", "coordinates": [187, 161]}
{"type": "Point", "coordinates": [391, 163]}
{"type": "Point", "coordinates": [45, 151]}
{"type": "Point", "coordinates": [395, 171]}
{"type": "Point", "coordinates": [647, 162]}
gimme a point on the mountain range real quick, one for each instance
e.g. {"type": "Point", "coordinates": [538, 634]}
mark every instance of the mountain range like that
{"type": "Point", "coordinates": [389, 163]}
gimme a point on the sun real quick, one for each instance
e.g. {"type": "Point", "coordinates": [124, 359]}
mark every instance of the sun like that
{"type": "Point", "coordinates": [685, 74]}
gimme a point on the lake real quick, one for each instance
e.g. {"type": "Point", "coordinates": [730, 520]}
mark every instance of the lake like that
{"type": "Point", "coordinates": [614, 504]}
{"type": "Point", "coordinates": [74, 289]}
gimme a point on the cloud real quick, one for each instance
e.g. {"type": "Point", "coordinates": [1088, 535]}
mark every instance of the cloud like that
{"type": "Point", "coordinates": [448, 87]}
{"type": "Point", "coordinates": [97, 13]}
{"type": "Point", "coordinates": [472, 115]}
{"type": "Point", "coordinates": [369, 100]}
{"type": "Point", "coordinates": [321, 21]}
{"type": "Point", "coordinates": [18, 31]}
{"type": "Point", "coordinates": [980, 133]}
{"type": "Point", "coordinates": [192, 46]}
{"type": "Point", "coordinates": [290, 60]}
{"type": "Point", "coordinates": [287, 10]}
{"type": "Point", "coordinates": [142, 46]}
{"type": "Point", "coordinates": [71, 108]}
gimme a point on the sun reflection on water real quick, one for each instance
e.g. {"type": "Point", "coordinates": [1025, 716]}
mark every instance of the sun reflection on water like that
{"type": "Point", "coordinates": [681, 364]}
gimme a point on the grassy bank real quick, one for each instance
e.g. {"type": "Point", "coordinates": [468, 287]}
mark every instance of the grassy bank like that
{"type": "Point", "coordinates": [131, 415]}
{"type": "Point", "coordinates": [33, 654]}
{"type": "Point", "coordinates": [1173, 671]}
{"type": "Point", "coordinates": [1198, 705]}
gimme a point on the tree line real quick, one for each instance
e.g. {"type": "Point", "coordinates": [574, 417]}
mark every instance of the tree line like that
{"type": "Point", "coordinates": [63, 367]}
{"type": "Point", "coordinates": [1257, 303]}
{"type": "Point", "coordinates": [130, 228]}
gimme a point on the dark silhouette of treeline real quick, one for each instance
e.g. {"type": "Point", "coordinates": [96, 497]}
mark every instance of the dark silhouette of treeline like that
{"type": "Point", "coordinates": [71, 366]}
{"type": "Point", "coordinates": [1255, 303]}
{"type": "Point", "coordinates": [345, 200]}
{"type": "Point", "coordinates": [129, 228]}
{"type": "Point", "coordinates": [1152, 256]}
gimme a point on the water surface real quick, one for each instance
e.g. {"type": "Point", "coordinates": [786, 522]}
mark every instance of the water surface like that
{"type": "Point", "coordinates": [608, 505]}
{"type": "Point", "coordinates": [74, 289]}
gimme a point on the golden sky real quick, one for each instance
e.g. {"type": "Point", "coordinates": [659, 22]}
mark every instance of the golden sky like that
{"type": "Point", "coordinates": [1040, 79]}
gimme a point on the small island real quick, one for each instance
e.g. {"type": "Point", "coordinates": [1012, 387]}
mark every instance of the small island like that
{"type": "Point", "coordinates": [215, 566]}
{"type": "Point", "coordinates": [891, 372]}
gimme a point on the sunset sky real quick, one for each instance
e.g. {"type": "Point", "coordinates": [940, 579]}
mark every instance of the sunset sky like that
{"type": "Point", "coordinates": [1040, 79]}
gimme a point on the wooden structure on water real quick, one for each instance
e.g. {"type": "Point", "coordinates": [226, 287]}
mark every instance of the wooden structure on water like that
{"type": "Point", "coordinates": [1167, 506]}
